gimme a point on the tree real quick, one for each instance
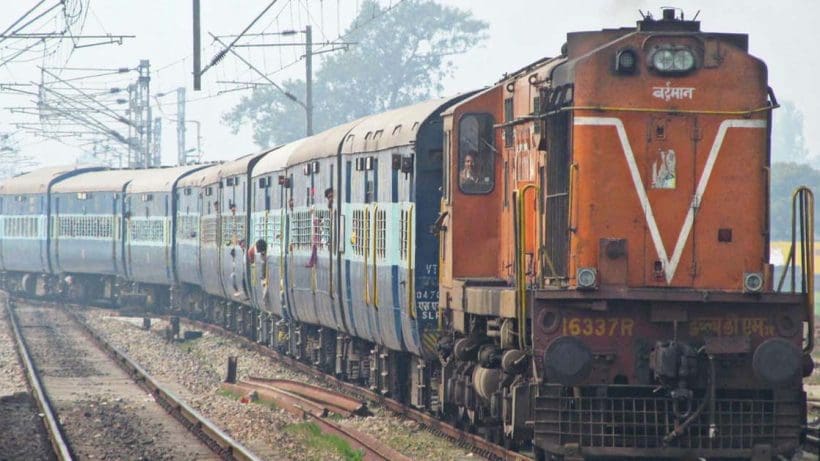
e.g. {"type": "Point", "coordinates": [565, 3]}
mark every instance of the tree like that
{"type": "Point", "coordinates": [785, 178]}
{"type": "Point", "coordinates": [788, 143]}
{"type": "Point", "coordinates": [400, 58]}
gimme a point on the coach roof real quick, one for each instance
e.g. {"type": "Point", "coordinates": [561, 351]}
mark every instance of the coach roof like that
{"type": "Point", "coordinates": [395, 128]}
{"type": "Point", "coordinates": [199, 177]}
{"type": "Point", "coordinates": [239, 166]}
{"type": "Point", "coordinates": [276, 159]}
{"type": "Point", "coordinates": [98, 181]}
{"type": "Point", "coordinates": [37, 181]}
{"type": "Point", "coordinates": [324, 144]}
{"type": "Point", "coordinates": [161, 179]}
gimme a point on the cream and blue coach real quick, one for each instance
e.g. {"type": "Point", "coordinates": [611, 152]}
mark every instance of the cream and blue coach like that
{"type": "Point", "coordinates": [24, 223]}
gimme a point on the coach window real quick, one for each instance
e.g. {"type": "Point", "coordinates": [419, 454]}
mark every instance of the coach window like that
{"type": "Point", "coordinates": [476, 162]}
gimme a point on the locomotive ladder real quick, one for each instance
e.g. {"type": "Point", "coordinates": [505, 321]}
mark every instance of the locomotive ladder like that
{"type": "Point", "coordinates": [802, 226]}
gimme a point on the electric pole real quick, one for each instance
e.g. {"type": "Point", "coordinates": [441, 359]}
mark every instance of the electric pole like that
{"type": "Point", "coordinates": [197, 51]}
{"type": "Point", "coordinates": [309, 79]}
{"type": "Point", "coordinates": [156, 143]}
{"type": "Point", "coordinates": [182, 156]}
{"type": "Point", "coordinates": [139, 111]}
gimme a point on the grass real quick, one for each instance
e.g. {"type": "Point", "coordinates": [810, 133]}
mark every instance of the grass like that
{"type": "Point", "coordinates": [229, 394]}
{"type": "Point", "coordinates": [313, 437]}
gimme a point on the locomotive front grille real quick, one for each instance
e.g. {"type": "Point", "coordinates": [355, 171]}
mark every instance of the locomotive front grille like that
{"type": "Point", "coordinates": [634, 418]}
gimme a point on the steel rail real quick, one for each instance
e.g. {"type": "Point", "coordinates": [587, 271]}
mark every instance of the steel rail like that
{"type": "Point", "coordinates": [307, 409]}
{"type": "Point", "coordinates": [220, 442]}
{"type": "Point", "coordinates": [53, 427]}
{"type": "Point", "coordinates": [462, 438]}
{"type": "Point", "coordinates": [335, 401]}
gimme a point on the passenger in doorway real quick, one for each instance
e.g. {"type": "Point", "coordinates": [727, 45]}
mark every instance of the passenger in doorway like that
{"type": "Point", "coordinates": [329, 197]}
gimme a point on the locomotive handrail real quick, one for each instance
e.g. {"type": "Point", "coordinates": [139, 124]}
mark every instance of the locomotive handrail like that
{"type": "Point", "coordinates": [744, 113]}
{"type": "Point", "coordinates": [520, 276]}
{"type": "Point", "coordinates": [802, 207]}
{"type": "Point", "coordinates": [573, 167]}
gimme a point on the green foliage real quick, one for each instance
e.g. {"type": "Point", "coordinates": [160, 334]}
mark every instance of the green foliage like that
{"type": "Point", "coordinates": [400, 58]}
{"type": "Point", "coordinates": [785, 178]}
{"type": "Point", "coordinates": [788, 142]}
{"type": "Point", "coordinates": [229, 394]}
{"type": "Point", "coordinates": [315, 438]}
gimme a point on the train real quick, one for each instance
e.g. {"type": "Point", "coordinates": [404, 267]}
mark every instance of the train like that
{"type": "Point", "coordinates": [572, 260]}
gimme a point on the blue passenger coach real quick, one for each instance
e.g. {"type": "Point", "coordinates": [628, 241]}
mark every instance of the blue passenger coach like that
{"type": "Point", "coordinates": [24, 223]}
{"type": "Point", "coordinates": [189, 211]}
{"type": "Point", "coordinates": [87, 243]}
{"type": "Point", "coordinates": [391, 180]}
{"type": "Point", "coordinates": [150, 205]}
{"type": "Point", "coordinates": [268, 234]}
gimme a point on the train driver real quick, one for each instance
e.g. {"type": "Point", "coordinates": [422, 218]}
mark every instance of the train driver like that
{"type": "Point", "coordinates": [469, 176]}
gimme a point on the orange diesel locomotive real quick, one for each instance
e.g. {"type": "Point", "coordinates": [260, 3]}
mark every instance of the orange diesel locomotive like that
{"type": "Point", "coordinates": [603, 253]}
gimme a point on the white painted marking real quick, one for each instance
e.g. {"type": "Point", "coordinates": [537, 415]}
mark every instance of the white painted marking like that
{"type": "Point", "coordinates": [669, 265]}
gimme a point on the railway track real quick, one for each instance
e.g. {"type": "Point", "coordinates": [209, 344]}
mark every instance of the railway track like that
{"type": "Point", "coordinates": [473, 442]}
{"type": "Point", "coordinates": [460, 437]}
{"type": "Point", "coordinates": [93, 397]}
{"type": "Point", "coordinates": [314, 404]}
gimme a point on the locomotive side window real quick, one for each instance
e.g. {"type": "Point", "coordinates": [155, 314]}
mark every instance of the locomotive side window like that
{"type": "Point", "coordinates": [476, 162]}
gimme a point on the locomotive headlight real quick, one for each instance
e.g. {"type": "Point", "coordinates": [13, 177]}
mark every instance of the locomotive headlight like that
{"type": "Point", "coordinates": [663, 60]}
{"type": "Point", "coordinates": [753, 282]}
{"type": "Point", "coordinates": [683, 60]}
{"type": "Point", "coordinates": [673, 60]}
{"type": "Point", "coordinates": [586, 277]}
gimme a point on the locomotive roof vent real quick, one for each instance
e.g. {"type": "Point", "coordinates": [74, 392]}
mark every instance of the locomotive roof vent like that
{"type": "Point", "coordinates": [670, 21]}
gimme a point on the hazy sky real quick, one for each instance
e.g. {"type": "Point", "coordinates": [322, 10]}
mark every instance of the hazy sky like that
{"type": "Point", "coordinates": [784, 34]}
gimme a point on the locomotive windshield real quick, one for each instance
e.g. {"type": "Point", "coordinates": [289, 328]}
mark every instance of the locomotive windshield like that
{"type": "Point", "coordinates": [476, 162]}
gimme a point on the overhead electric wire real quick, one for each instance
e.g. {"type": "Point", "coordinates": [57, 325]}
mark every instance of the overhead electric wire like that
{"type": "Point", "coordinates": [21, 18]}
{"type": "Point", "coordinates": [222, 53]}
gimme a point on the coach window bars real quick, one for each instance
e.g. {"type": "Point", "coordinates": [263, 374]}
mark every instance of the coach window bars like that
{"type": "Point", "coordinates": [476, 162]}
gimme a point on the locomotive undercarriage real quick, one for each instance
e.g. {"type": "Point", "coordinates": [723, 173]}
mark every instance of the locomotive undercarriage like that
{"type": "Point", "coordinates": [485, 382]}
{"type": "Point", "coordinates": [648, 375]}
{"type": "Point", "coordinates": [625, 421]}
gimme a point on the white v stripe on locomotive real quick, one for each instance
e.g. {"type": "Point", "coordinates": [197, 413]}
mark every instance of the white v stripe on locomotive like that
{"type": "Point", "coordinates": [669, 265]}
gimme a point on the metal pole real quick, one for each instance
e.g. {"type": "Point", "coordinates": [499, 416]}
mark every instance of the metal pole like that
{"type": "Point", "coordinates": [182, 156]}
{"type": "Point", "coordinates": [198, 142]}
{"type": "Point", "coordinates": [197, 46]}
{"type": "Point", "coordinates": [156, 142]}
{"type": "Point", "coordinates": [145, 81]}
{"type": "Point", "coordinates": [309, 79]}
{"type": "Point", "coordinates": [132, 131]}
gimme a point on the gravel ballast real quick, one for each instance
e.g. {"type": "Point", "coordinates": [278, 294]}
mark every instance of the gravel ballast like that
{"type": "Point", "coordinates": [22, 435]}
{"type": "Point", "coordinates": [195, 369]}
